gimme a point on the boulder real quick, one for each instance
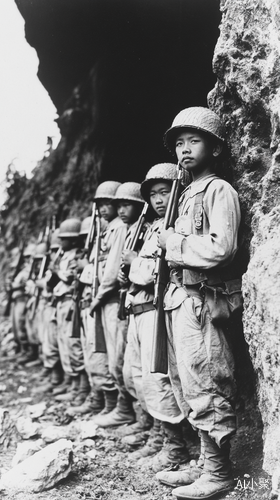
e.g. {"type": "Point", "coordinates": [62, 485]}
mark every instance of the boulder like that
{"type": "Point", "coordinates": [27, 449]}
{"type": "Point", "coordinates": [41, 471]}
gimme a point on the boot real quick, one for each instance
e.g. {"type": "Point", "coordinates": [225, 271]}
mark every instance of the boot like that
{"type": "Point", "coordinates": [110, 398]}
{"type": "Point", "coordinates": [64, 386]}
{"type": "Point", "coordinates": [30, 355]}
{"type": "Point", "coordinates": [174, 449]}
{"type": "Point", "coordinates": [216, 476]}
{"type": "Point", "coordinates": [73, 391]}
{"type": "Point", "coordinates": [190, 473]}
{"type": "Point", "coordinates": [57, 374]}
{"type": "Point", "coordinates": [83, 391]}
{"type": "Point", "coordinates": [152, 446]}
{"type": "Point", "coordinates": [143, 423]}
{"type": "Point", "coordinates": [123, 413]}
{"type": "Point", "coordinates": [93, 404]}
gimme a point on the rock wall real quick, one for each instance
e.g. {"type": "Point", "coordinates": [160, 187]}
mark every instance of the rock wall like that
{"type": "Point", "coordinates": [247, 65]}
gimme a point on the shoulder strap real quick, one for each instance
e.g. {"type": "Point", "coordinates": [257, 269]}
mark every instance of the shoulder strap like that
{"type": "Point", "coordinates": [198, 208]}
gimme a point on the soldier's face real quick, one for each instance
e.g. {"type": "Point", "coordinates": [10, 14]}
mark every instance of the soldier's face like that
{"type": "Point", "coordinates": [128, 212]}
{"type": "Point", "coordinates": [66, 243]}
{"type": "Point", "coordinates": [159, 196]}
{"type": "Point", "coordinates": [195, 150]}
{"type": "Point", "coordinates": [107, 209]}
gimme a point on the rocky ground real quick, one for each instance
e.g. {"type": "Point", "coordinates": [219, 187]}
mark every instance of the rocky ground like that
{"type": "Point", "coordinates": [102, 468]}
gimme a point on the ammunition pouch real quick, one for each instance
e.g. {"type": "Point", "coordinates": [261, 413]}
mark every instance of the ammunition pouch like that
{"type": "Point", "coordinates": [224, 301]}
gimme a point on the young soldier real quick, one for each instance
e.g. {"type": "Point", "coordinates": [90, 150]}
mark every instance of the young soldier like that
{"type": "Point", "coordinates": [70, 349]}
{"type": "Point", "coordinates": [152, 390]}
{"type": "Point", "coordinates": [96, 363]}
{"type": "Point", "coordinates": [107, 297]}
{"type": "Point", "coordinates": [200, 251]}
{"type": "Point", "coordinates": [18, 311]}
{"type": "Point", "coordinates": [52, 374]}
{"type": "Point", "coordinates": [129, 203]}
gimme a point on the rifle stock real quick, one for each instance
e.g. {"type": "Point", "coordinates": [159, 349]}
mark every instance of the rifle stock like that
{"type": "Point", "coordinates": [159, 358]}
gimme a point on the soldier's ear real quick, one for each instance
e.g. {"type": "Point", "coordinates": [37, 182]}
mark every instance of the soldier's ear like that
{"type": "Point", "coordinates": [217, 149]}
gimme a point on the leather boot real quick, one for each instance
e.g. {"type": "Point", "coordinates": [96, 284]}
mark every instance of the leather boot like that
{"type": "Point", "coordinates": [57, 374]}
{"type": "Point", "coordinates": [30, 355]}
{"type": "Point", "coordinates": [174, 449]}
{"type": "Point", "coordinates": [110, 398]}
{"type": "Point", "coordinates": [72, 393]}
{"type": "Point", "coordinates": [152, 446]}
{"type": "Point", "coordinates": [123, 413]}
{"type": "Point", "coordinates": [93, 404]}
{"type": "Point", "coordinates": [190, 472]}
{"type": "Point", "coordinates": [64, 386]}
{"type": "Point", "coordinates": [143, 423]}
{"type": "Point", "coordinates": [83, 391]}
{"type": "Point", "coordinates": [216, 476]}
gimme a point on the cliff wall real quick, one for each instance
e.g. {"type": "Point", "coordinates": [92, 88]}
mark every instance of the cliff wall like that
{"type": "Point", "coordinates": [247, 65]}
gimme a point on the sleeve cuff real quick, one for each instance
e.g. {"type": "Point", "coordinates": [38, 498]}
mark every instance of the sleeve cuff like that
{"type": "Point", "coordinates": [174, 248]}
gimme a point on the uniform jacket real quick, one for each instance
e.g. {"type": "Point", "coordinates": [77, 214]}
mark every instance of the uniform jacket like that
{"type": "Point", "coordinates": [112, 243]}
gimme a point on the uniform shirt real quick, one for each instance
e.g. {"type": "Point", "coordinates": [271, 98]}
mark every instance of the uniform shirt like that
{"type": "Point", "coordinates": [19, 283]}
{"type": "Point", "coordinates": [65, 273]}
{"type": "Point", "coordinates": [112, 243]}
{"type": "Point", "coordinates": [142, 267]}
{"type": "Point", "coordinates": [221, 219]}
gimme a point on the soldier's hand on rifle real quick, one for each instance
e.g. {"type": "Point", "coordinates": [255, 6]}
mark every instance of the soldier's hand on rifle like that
{"type": "Point", "coordinates": [94, 305]}
{"type": "Point", "coordinates": [128, 256]}
{"type": "Point", "coordinates": [163, 236]}
{"type": "Point", "coordinates": [122, 279]}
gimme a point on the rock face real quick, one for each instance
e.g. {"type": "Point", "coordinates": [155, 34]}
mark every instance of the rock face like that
{"type": "Point", "coordinates": [247, 95]}
{"type": "Point", "coordinates": [42, 470]}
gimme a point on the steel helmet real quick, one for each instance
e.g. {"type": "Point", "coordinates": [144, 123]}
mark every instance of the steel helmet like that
{"type": "Point", "coordinates": [85, 226]}
{"type": "Point", "coordinates": [29, 250]}
{"type": "Point", "coordinates": [161, 171]}
{"type": "Point", "coordinates": [106, 190]}
{"type": "Point", "coordinates": [55, 242]}
{"type": "Point", "coordinates": [129, 191]}
{"type": "Point", "coordinates": [41, 250]}
{"type": "Point", "coordinates": [196, 117]}
{"type": "Point", "coordinates": [69, 228]}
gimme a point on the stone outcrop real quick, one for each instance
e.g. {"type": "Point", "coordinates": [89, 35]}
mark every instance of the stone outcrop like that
{"type": "Point", "coordinates": [40, 471]}
{"type": "Point", "coordinates": [247, 94]}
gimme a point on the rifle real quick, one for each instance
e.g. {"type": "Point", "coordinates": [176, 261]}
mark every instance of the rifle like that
{"type": "Point", "coordinates": [42, 271]}
{"type": "Point", "coordinates": [16, 271]}
{"type": "Point", "coordinates": [98, 339]}
{"type": "Point", "coordinates": [159, 359]}
{"type": "Point", "coordinates": [131, 245]}
{"type": "Point", "coordinates": [74, 313]}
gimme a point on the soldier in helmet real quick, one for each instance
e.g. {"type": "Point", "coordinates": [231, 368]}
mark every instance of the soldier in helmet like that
{"type": "Point", "coordinates": [200, 251]}
{"type": "Point", "coordinates": [52, 373]}
{"type": "Point", "coordinates": [165, 444]}
{"type": "Point", "coordinates": [70, 349]}
{"type": "Point", "coordinates": [107, 297]}
{"type": "Point", "coordinates": [129, 205]}
{"type": "Point", "coordinates": [19, 299]}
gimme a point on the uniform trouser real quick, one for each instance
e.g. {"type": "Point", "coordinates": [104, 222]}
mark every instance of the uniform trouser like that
{"type": "Point", "coordinates": [31, 323]}
{"type": "Point", "coordinates": [153, 390]}
{"type": "Point", "coordinates": [18, 319]}
{"type": "Point", "coordinates": [70, 348]}
{"type": "Point", "coordinates": [201, 369]}
{"type": "Point", "coordinates": [96, 363]}
{"type": "Point", "coordinates": [50, 343]}
{"type": "Point", "coordinates": [115, 333]}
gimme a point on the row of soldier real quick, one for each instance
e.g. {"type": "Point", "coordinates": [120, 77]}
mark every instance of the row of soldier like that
{"type": "Point", "coordinates": [84, 301]}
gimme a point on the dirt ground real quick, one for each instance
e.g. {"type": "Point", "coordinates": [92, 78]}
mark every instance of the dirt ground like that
{"type": "Point", "coordinates": [111, 475]}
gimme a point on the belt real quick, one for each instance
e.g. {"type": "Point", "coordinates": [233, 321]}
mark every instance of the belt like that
{"type": "Point", "coordinates": [141, 308]}
{"type": "Point", "coordinates": [62, 298]}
